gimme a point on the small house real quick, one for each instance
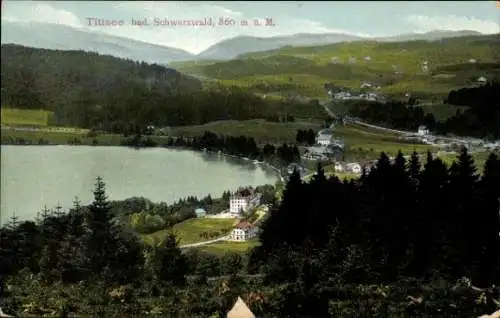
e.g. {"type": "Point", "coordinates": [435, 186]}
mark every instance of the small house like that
{"type": "Point", "coordinates": [422, 130]}
{"type": "Point", "coordinates": [243, 231]}
{"type": "Point", "coordinates": [335, 60]}
{"type": "Point", "coordinates": [353, 167]}
{"type": "Point", "coordinates": [368, 59]}
{"type": "Point", "coordinates": [472, 61]}
{"type": "Point", "coordinates": [325, 139]}
{"type": "Point", "coordinates": [200, 212]}
{"type": "Point", "coordinates": [339, 167]}
{"type": "Point", "coordinates": [366, 85]}
{"type": "Point", "coordinates": [482, 80]}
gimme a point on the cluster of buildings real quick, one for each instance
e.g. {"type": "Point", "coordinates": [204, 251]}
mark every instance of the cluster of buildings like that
{"type": "Point", "coordinates": [352, 167]}
{"type": "Point", "coordinates": [425, 136]}
{"type": "Point", "coordinates": [351, 59]}
{"type": "Point", "coordinates": [364, 95]}
{"type": "Point", "coordinates": [327, 147]}
{"type": "Point", "coordinates": [242, 201]}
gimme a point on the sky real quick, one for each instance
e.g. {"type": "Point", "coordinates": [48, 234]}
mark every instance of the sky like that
{"type": "Point", "coordinates": [369, 19]}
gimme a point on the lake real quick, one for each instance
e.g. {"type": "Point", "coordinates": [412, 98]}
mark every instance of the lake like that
{"type": "Point", "coordinates": [36, 176]}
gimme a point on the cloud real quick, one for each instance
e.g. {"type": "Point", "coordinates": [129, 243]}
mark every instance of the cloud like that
{"type": "Point", "coordinates": [452, 23]}
{"type": "Point", "coordinates": [26, 11]}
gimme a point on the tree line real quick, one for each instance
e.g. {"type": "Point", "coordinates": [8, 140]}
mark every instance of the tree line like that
{"type": "Point", "coordinates": [307, 137]}
{"type": "Point", "coordinates": [398, 221]}
{"type": "Point", "coordinates": [242, 146]}
{"type": "Point", "coordinates": [481, 119]}
{"type": "Point", "coordinates": [400, 240]}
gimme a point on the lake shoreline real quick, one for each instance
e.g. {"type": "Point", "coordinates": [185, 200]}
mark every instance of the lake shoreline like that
{"type": "Point", "coordinates": [123, 192]}
{"type": "Point", "coordinates": [117, 143]}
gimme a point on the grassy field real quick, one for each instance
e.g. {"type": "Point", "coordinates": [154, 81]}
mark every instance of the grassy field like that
{"type": "Point", "coordinates": [58, 137]}
{"type": "Point", "coordinates": [479, 159]}
{"type": "Point", "coordinates": [189, 231]}
{"type": "Point", "coordinates": [361, 139]}
{"type": "Point", "coordinates": [221, 248]}
{"type": "Point", "coordinates": [63, 136]}
{"type": "Point", "coordinates": [25, 117]}
{"type": "Point", "coordinates": [397, 67]}
{"type": "Point", "coordinates": [259, 129]}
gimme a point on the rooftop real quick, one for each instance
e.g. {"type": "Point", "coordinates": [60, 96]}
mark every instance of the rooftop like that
{"type": "Point", "coordinates": [245, 193]}
{"type": "Point", "coordinates": [244, 225]}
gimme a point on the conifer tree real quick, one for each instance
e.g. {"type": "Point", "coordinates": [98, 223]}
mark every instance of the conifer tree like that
{"type": "Point", "coordinates": [489, 217]}
{"type": "Point", "coordinates": [98, 224]}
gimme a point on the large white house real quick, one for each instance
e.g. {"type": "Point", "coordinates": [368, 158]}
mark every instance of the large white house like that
{"type": "Point", "coordinates": [243, 231]}
{"type": "Point", "coordinates": [243, 200]}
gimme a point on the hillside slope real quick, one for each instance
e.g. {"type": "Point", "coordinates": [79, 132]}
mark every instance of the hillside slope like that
{"type": "Point", "coordinates": [232, 48]}
{"type": "Point", "coordinates": [88, 90]}
{"type": "Point", "coordinates": [396, 66]}
{"type": "Point", "coordinates": [71, 82]}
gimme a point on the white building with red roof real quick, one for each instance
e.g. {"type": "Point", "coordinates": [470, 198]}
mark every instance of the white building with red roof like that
{"type": "Point", "coordinates": [243, 231]}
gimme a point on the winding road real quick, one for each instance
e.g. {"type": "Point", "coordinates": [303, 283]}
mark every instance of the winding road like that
{"type": "Point", "coordinates": [223, 238]}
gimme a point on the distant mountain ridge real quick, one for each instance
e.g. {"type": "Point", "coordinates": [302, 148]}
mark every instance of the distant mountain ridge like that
{"type": "Point", "coordinates": [232, 48]}
{"type": "Point", "coordinates": [59, 37]}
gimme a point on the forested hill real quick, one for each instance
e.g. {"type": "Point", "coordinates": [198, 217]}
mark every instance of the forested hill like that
{"type": "Point", "coordinates": [62, 80]}
{"type": "Point", "coordinates": [94, 91]}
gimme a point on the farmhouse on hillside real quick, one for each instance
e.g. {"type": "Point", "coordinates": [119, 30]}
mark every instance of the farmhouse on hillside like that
{"type": "Point", "coordinates": [243, 200]}
{"type": "Point", "coordinates": [243, 231]}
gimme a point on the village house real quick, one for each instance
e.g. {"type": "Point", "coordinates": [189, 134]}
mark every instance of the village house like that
{"type": "Point", "coordinates": [368, 59]}
{"type": "Point", "coordinates": [482, 80]}
{"type": "Point", "coordinates": [335, 60]}
{"type": "Point", "coordinates": [366, 85]}
{"type": "Point", "coordinates": [324, 137]}
{"type": "Point", "coordinates": [472, 61]}
{"type": "Point", "coordinates": [422, 130]}
{"type": "Point", "coordinates": [342, 95]}
{"type": "Point", "coordinates": [200, 212]}
{"type": "Point", "coordinates": [352, 60]}
{"type": "Point", "coordinates": [339, 167]}
{"type": "Point", "coordinates": [353, 167]}
{"type": "Point", "coordinates": [244, 200]}
{"type": "Point", "coordinates": [425, 66]}
{"type": "Point", "coordinates": [243, 231]}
